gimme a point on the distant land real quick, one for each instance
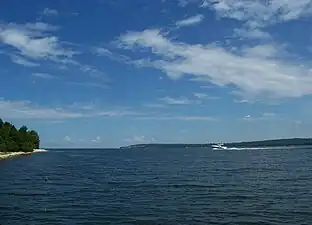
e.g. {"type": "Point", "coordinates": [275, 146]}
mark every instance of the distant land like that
{"type": "Point", "coordinates": [245, 144]}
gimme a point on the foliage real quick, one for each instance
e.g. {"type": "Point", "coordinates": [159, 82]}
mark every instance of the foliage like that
{"type": "Point", "coordinates": [272, 143]}
{"type": "Point", "coordinates": [15, 140]}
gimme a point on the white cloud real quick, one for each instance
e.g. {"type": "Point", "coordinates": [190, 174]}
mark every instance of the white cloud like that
{"type": "Point", "coordinates": [96, 140]}
{"type": "Point", "coordinates": [154, 105]}
{"type": "Point", "coordinates": [40, 26]}
{"type": "Point", "coordinates": [204, 4]}
{"type": "Point", "coordinates": [84, 105]}
{"type": "Point", "coordinates": [253, 74]}
{"type": "Point", "coordinates": [139, 139]}
{"type": "Point", "coordinates": [147, 39]}
{"type": "Point", "coordinates": [178, 101]}
{"type": "Point", "coordinates": [253, 33]}
{"type": "Point", "coordinates": [50, 12]}
{"type": "Point", "coordinates": [257, 14]}
{"type": "Point", "coordinates": [249, 118]}
{"type": "Point", "coordinates": [166, 101]}
{"type": "Point", "coordinates": [54, 121]}
{"type": "Point", "coordinates": [264, 116]}
{"type": "Point", "coordinates": [262, 12]}
{"type": "Point", "coordinates": [22, 61]}
{"type": "Point", "coordinates": [101, 51]}
{"type": "Point", "coordinates": [190, 21]}
{"type": "Point", "coordinates": [27, 110]}
{"type": "Point", "coordinates": [67, 138]}
{"type": "Point", "coordinates": [200, 95]}
{"type": "Point", "coordinates": [43, 75]}
{"type": "Point", "coordinates": [204, 96]}
{"type": "Point", "coordinates": [264, 51]}
{"type": "Point", "coordinates": [177, 117]}
{"type": "Point", "coordinates": [89, 84]}
{"type": "Point", "coordinates": [243, 101]}
{"type": "Point", "coordinates": [269, 114]}
{"type": "Point", "coordinates": [44, 47]}
{"type": "Point", "coordinates": [32, 41]}
{"type": "Point", "coordinates": [183, 3]}
{"type": "Point", "coordinates": [191, 118]}
{"type": "Point", "coordinates": [93, 72]}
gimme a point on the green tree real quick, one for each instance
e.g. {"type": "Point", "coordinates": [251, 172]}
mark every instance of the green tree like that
{"type": "Point", "coordinates": [6, 130]}
{"type": "Point", "coordinates": [15, 136]}
{"type": "Point", "coordinates": [34, 138]}
{"type": "Point", "coordinates": [12, 140]}
{"type": "Point", "coordinates": [11, 145]}
{"type": "Point", "coordinates": [27, 147]}
{"type": "Point", "coordinates": [2, 144]}
{"type": "Point", "coordinates": [23, 129]}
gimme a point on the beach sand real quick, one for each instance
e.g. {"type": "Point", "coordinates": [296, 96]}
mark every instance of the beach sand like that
{"type": "Point", "coordinates": [6, 155]}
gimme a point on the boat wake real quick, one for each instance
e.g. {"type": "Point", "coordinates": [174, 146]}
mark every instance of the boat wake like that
{"type": "Point", "coordinates": [222, 147]}
{"type": "Point", "coordinates": [239, 149]}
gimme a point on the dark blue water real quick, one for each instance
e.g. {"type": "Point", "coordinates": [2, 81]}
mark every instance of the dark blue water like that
{"type": "Point", "coordinates": [164, 186]}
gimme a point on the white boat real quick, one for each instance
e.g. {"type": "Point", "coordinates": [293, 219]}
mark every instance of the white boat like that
{"type": "Point", "coordinates": [218, 147]}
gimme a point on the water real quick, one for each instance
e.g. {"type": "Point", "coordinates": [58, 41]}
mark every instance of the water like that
{"type": "Point", "coordinates": [160, 186]}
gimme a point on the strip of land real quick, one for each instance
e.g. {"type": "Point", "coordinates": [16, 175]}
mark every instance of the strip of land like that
{"type": "Point", "coordinates": [246, 144]}
{"type": "Point", "coordinates": [7, 155]}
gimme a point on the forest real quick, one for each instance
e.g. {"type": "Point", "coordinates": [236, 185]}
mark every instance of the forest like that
{"type": "Point", "coordinates": [17, 140]}
{"type": "Point", "coordinates": [272, 143]}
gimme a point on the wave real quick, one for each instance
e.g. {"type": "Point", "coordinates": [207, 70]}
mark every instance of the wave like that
{"type": "Point", "coordinates": [257, 148]}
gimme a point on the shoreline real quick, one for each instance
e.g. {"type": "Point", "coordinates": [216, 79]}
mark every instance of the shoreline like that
{"type": "Point", "coordinates": [7, 155]}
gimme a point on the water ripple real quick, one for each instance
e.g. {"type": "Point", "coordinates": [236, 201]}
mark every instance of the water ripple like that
{"type": "Point", "coordinates": [174, 186]}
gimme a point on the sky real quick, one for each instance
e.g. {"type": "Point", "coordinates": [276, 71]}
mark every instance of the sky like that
{"type": "Point", "coordinates": [109, 73]}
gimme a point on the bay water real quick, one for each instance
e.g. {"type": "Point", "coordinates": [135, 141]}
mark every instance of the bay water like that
{"type": "Point", "coordinates": [158, 186]}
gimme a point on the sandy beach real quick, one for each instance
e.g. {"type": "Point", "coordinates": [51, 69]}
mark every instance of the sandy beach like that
{"type": "Point", "coordinates": [6, 155]}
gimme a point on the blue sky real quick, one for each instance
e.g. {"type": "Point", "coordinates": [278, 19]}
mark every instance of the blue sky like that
{"type": "Point", "coordinates": [108, 73]}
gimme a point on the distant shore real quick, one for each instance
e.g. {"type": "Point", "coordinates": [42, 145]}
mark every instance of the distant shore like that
{"type": "Point", "coordinates": [244, 144]}
{"type": "Point", "coordinates": [7, 155]}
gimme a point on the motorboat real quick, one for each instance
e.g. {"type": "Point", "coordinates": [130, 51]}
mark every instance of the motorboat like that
{"type": "Point", "coordinates": [218, 147]}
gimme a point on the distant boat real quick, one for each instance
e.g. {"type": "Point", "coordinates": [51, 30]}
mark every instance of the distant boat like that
{"type": "Point", "coordinates": [218, 147]}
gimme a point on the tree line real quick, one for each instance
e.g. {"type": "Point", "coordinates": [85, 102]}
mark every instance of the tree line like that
{"type": "Point", "coordinates": [272, 143]}
{"type": "Point", "coordinates": [16, 140]}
